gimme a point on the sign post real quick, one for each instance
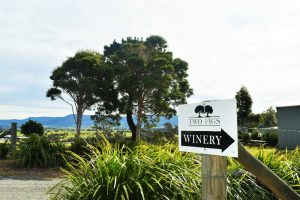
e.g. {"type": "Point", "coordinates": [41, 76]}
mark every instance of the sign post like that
{"type": "Point", "coordinates": [210, 128]}
{"type": "Point", "coordinates": [214, 177]}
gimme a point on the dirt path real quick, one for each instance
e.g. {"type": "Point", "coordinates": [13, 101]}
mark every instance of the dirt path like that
{"type": "Point", "coordinates": [28, 184]}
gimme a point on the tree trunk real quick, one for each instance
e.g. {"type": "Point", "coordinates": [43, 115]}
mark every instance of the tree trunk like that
{"type": "Point", "coordinates": [139, 120]}
{"type": "Point", "coordinates": [131, 125]}
{"type": "Point", "coordinates": [78, 123]}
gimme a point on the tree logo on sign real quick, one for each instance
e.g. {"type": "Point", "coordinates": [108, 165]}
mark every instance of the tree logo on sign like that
{"type": "Point", "coordinates": [204, 109]}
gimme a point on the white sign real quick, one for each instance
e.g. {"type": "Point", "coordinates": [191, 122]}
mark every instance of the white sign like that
{"type": "Point", "coordinates": [209, 127]}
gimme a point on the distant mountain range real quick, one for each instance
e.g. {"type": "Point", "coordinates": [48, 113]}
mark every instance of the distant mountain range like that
{"type": "Point", "coordinates": [68, 122]}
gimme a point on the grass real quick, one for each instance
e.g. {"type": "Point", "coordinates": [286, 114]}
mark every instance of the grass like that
{"type": "Point", "coordinates": [38, 151]}
{"type": "Point", "coordinates": [144, 172]}
{"type": "Point", "coordinates": [67, 135]}
{"type": "Point", "coordinates": [285, 164]}
{"type": "Point", "coordinates": [149, 171]}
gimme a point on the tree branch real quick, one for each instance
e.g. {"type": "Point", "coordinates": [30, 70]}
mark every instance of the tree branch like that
{"type": "Point", "coordinates": [71, 107]}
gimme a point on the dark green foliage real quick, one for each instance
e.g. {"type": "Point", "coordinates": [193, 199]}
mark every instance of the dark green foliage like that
{"type": "Point", "coordinates": [246, 187]}
{"type": "Point", "coordinates": [271, 137]}
{"type": "Point", "coordinates": [240, 135]}
{"type": "Point", "coordinates": [148, 79]}
{"type": "Point", "coordinates": [254, 120]}
{"type": "Point", "coordinates": [246, 138]}
{"type": "Point", "coordinates": [244, 104]}
{"type": "Point", "coordinates": [4, 149]}
{"type": "Point", "coordinates": [255, 135]}
{"type": "Point", "coordinates": [38, 151]}
{"type": "Point", "coordinates": [268, 118]}
{"type": "Point", "coordinates": [105, 122]}
{"type": "Point", "coordinates": [161, 136]}
{"type": "Point", "coordinates": [31, 127]}
{"type": "Point", "coordinates": [79, 146]}
{"type": "Point", "coordinates": [85, 79]}
{"type": "Point", "coordinates": [155, 137]}
{"type": "Point", "coordinates": [4, 133]}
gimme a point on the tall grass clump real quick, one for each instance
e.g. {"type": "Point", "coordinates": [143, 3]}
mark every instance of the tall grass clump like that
{"type": "Point", "coordinates": [38, 151]}
{"type": "Point", "coordinates": [148, 171]}
{"type": "Point", "coordinates": [4, 149]}
{"type": "Point", "coordinates": [285, 164]}
{"type": "Point", "coordinates": [244, 185]}
{"type": "Point", "coordinates": [143, 172]}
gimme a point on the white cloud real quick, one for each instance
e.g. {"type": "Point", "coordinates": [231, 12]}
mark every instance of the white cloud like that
{"type": "Point", "coordinates": [226, 43]}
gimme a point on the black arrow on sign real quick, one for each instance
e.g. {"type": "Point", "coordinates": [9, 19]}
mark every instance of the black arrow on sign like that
{"type": "Point", "coordinates": [206, 139]}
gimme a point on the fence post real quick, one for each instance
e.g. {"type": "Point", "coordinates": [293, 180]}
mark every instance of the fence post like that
{"type": "Point", "coordinates": [13, 136]}
{"type": "Point", "coordinates": [214, 177]}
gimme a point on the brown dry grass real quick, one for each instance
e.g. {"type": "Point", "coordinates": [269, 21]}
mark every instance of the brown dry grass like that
{"type": "Point", "coordinates": [10, 168]}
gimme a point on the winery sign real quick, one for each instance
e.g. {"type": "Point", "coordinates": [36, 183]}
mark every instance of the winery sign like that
{"type": "Point", "coordinates": [209, 127]}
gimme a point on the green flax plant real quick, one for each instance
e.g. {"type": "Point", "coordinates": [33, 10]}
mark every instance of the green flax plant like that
{"type": "Point", "coordinates": [142, 172]}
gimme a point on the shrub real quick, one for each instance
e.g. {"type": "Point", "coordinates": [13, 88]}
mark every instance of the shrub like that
{"type": "Point", "coordinates": [240, 135]}
{"type": "Point", "coordinates": [286, 164]}
{"type": "Point", "coordinates": [145, 172]}
{"type": "Point", "coordinates": [255, 135]}
{"type": "Point", "coordinates": [38, 151]}
{"type": "Point", "coordinates": [31, 127]}
{"type": "Point", "coordinates": [246, 138]}
{"type": "Point", "coordinates": [79, 146]}
{"type": "Point", "coordinates": [4, 148]}
{"type": "Point", "coordinates": [271, 137]}
{"type": "Point", "coordinates": [161, 172]}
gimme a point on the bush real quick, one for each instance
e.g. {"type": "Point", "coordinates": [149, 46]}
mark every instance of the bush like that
{"type": "Point", "coordinates": [286, 164]}
{"type": "Point", "coordinates": [162, 172]}
{"type": "Point", "coordinates": [38, 151]}
{"type": "Point", "coordinates": [246, 138]}
{"type": "Point", "coordinates": [240, 135]}
{"type": "Point", "coordinates": [31, 127]}
{"type": "Point", "coordinates": [79, 146]}
{"type": "Point", "coordinates": [4, 149]}
{"type": "Point", "coordinates": [145, 172]}
{"type": "Point", "coordinates": [271, 137]}
{"type": "Point", "coordinates": [255, 135]}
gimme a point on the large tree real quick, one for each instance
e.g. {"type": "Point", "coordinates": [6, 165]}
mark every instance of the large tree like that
{"type": "Point", "coordinates": [148, 79]}
{"type": "Point", "coordinates": [244, 105]}
{"type": "Point", "coordinates": [81, 81]}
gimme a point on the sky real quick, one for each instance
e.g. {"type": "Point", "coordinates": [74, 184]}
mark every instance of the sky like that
{"type": "Point", "coordinates": [226, 43]}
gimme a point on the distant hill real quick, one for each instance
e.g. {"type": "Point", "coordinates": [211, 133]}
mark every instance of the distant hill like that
{"type": "Point", "coordinates": [68, 122]}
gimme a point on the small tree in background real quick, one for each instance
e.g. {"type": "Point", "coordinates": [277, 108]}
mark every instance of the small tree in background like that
{"type": "Point", "coordinates": [268, 118]}
{"type": "Point", "coordinates": [31, 127]}
{"type": "Point", "coordinates": [105, 122]}
{"type": "Point", "coordinates": [244, 105]}
{"type": "Point", "coordinates": [254, 120]}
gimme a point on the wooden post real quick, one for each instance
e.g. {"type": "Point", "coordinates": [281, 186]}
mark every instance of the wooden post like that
{"type": "Point", "coordinates": [13, 136]}
{"type": "Point", "coordinates": [266, 176]}
{"type": "Point", "coordinates": [214, 177]}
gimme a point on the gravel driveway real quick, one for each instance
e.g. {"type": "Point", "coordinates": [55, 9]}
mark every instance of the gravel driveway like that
{"type": "Point", "coordinates": [25, 183]}
{"type": "Point", "coordinates": [25, 188]}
